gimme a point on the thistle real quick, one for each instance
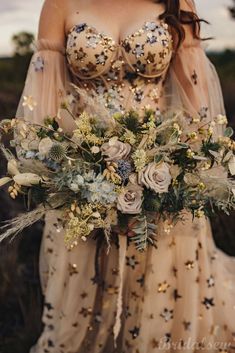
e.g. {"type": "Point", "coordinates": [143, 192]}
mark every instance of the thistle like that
{"type": "Point", "coordinates": [57, 152]}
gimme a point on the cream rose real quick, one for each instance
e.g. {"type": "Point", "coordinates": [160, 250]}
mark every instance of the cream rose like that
{"type": "Point", "coordinates": [155, 177]}
{"type": "Point", "coordinates": [130, 199]}
{"type": "Point", "coordinates": [115, 150]}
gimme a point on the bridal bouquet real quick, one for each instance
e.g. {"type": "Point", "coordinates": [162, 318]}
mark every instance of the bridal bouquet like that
{"type": "Point", "coordinates": [127, 171]}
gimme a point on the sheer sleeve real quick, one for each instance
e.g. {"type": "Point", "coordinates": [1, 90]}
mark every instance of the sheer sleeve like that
{"type": "Point", "coordinates": [193, 81]}
{"type": "Point", "coordinates": [48, 79]}
{"type": "Point", "coordinates": [45, 85]}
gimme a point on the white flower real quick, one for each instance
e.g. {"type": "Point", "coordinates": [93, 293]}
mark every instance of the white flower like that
{"type": "Point", "coordinates": [156, 177]}
{"type": "Point", "coordinates": [45, 146]}
{"type": "Point", "coordinates": [27, 179]}
{"type": "Point", "coordinates": [12, 167]}
{"type": "Point", "coordinates": [231, 165]}
{"type": "Point", "coordinates": [130, 199]}
{"type": "Point", "coordinates": [95, 149]}
{"type": "Point", "coordinates": [115, 150]}
{"type": "Point", "coordinates": [221, 119]}
{"type": "Point", "coordinates": [29, 102]}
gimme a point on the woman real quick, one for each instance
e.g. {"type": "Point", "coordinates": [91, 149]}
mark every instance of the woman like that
{"type": "Point", "coordinates": [180, 296]}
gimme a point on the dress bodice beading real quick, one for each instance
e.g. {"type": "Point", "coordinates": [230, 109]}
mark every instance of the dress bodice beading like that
{"type": "Point", "coordinates": [126, 74]}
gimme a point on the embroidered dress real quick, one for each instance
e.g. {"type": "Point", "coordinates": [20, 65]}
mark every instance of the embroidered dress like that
{"type": "Point", "coordinates": [178, 296]}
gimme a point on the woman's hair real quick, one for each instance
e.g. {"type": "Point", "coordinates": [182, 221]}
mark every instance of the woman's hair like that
{"type": "Point", "coordinates": [176, 18]}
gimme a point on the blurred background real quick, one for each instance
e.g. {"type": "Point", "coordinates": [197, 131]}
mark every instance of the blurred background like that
{"type": "Point", "coordinates": [20, 295]}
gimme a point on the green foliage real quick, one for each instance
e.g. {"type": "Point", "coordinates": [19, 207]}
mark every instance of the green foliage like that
{"type": "Point", "coordinates": [131, 121]}
{"type": "Point", "coordinates": [23, 43]}
{"type": "Point", "coordinates": [144, 232]}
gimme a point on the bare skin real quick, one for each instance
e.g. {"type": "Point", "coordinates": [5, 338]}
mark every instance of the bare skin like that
{"type": "Point", "coordinates": [115, 18]}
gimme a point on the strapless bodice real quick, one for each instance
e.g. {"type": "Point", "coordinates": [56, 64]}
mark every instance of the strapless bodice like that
{"type": "Point", "coordinates": [92, 53]}
{"type": "Point", "coordinates": [139, 61]}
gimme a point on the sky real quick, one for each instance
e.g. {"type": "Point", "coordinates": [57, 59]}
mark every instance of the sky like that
{"type": "Point", "coordinates": [22, 15]}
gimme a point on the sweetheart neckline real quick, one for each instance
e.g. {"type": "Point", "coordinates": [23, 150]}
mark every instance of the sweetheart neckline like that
{"type": "Point", "coordinates": [116, 43]}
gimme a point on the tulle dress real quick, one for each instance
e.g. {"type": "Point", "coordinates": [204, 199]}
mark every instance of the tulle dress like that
{"type": "Point", "coordinates": [179, 296]}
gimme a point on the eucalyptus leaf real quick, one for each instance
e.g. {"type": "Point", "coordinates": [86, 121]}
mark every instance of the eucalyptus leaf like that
{"type": "Point", "coordinates": [228, 132]}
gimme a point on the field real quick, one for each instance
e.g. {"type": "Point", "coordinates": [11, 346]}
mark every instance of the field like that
{"type": "Point", "coordinates": [20, 296]}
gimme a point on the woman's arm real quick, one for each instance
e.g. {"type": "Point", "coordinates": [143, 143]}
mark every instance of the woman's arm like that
{"type": "Point", "coordinates": [52, 21]}
{"type": "Point", "coordinates": [48, 77]}
{"type": "Point", "coordinates": [194, 83]}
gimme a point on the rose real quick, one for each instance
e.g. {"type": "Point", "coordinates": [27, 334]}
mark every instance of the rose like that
{"type": "Point", "coordinates": [130, 199]}
{"type": "Point", "coordinates": [115, 150]}
{"type": "Point", "coordinates": [155, 177]}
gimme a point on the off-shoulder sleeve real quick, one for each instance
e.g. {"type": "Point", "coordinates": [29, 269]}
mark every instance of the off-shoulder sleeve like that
{"type": "Point", "coordinates": [193, 81]}
{"type": "Point", "coordinates": [46, 82]}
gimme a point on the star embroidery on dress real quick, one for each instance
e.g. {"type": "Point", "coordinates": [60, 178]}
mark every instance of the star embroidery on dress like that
{"type": "Point", "coordinates": [38, 64]}
{"type": "Point", "coordinates": [138, 50]}
{"type": "Point", "coordinates": [150, 57]}
{"type": "Point", "coordinates": [141, 280]}
{"type": "Point", "coordinates": [187, 325]}
{"type": "Point", "coordinates": [127, 312]}
{"type": "Point", "coordinates": [167, 314]}
{"type": "Point", "coordinates": [163, 54]}
{"type": "Point", "coordinates": [127, 46]}
{"type": "Point", "coordinates": [151, 38]}
{"type": "Point", "coordinates": [155, 343]}
{"type": "Point", "coordinates": [98, 318]}
{"type": "Point", "coordinates": [135, 332]}
{"type": "Point", "coordinates": [150, 26]}
{"type": "Point", "coordinates": [176, 295]}
{"type": "Point", "coordinates": [101, 58]}
{"type": "Point", "coordinates": [194, 77]}
{"type": "Point", "coordinates": [49, 316]}
{"type": "Point", "coordinates": [162, 287]}
{"type": "Point", "coordinates": [210, 281]}
{"type": "Point", "coordinates": [131, 261]}
{"type": "Point", "coordinates": [138, 94]}
{"type": "Point", "coordinates": [85, 311]}
{"type": "Point", "coordinates": [48, 306]}
{"type": "Point", "coordinates": [72, 268]}
{"type": "Point", "coordinates": [167, 337]}
{"type": "Point", "coordinates": [84, 295]}
{"type": "Point", "coordinates": [174, 270]}
{"type": "Point", "coordinates": [112, 290]}
{"type": "Point", "coordinates": [50, 343]}
{"type": "Point", "coordinates": [50, 327]}
{"type": "Point", "coordinates": [189, 264]}
{"type": "Point", "coordinates": [203, 112]}
{"type": "Point", "coordinates": [80, 28]}
{"type": "Point", "coordinates": [91, 67]}
{"type": "Point", "coordinates": [29, 102]}
{"type": "Point", "coordinates": [208, 302]}
{"type": "Point", "coordinates": [80, 54]}
{"type": "Point", "coordinates": [134, 295]}
{"type": "Point", "coordinates": [213, 256]}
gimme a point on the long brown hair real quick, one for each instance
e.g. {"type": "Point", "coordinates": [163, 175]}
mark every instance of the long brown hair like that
{"type": "Point", "coordinates": [176, 18]}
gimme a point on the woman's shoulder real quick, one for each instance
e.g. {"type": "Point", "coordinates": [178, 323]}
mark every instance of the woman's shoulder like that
{"type": "Point", "coordinates": [52, 19]}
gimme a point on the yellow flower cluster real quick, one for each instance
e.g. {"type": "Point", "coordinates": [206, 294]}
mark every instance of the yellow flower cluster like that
{"type": "Point", "coordinates": [82, 221]}
{"type": "Point", "coordinates": [140, 159]}
{"type": "Point", "coordinates": [129, 137]}
{"type": "Point", "coordinates": [84, 130]}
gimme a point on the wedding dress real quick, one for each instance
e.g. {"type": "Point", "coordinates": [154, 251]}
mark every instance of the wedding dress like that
{"type": "Point", "coordinates": [179, 296]}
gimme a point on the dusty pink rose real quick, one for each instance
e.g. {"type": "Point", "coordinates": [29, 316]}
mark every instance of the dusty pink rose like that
{"type": "Point", "coordinates": [115, 150]}
{"type": "Point", "coordinates": [130, 199]}
{"type": "Point", "coordinates": [155, 177]}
